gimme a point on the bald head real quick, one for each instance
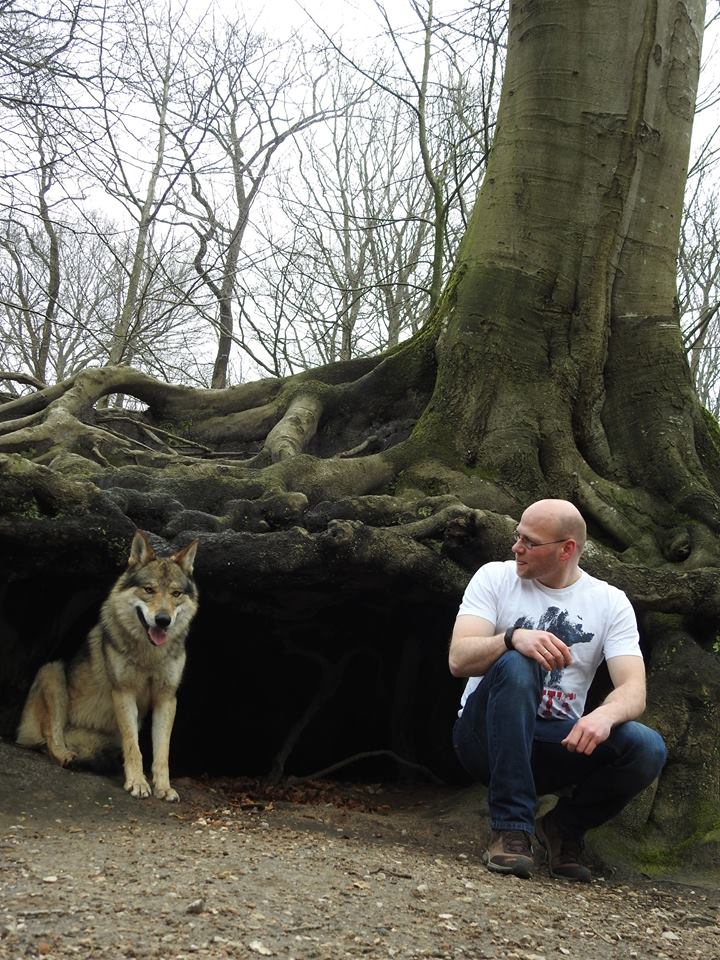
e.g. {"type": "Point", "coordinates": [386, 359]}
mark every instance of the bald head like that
{"type": "Point", "coordinates": [561, 519]}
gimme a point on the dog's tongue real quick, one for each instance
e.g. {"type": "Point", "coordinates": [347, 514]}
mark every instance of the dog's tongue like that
{"type": "Point", "coordinates": [157, 636]}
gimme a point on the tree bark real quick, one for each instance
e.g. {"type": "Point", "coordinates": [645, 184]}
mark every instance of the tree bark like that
{"type": "Point", "coordinates": [566, 301]}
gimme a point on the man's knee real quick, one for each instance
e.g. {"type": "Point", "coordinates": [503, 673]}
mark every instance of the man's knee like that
{"type": "Point", "coordinates": [644, 746]}
{"type": "Point", "coordinates": [513, 668]}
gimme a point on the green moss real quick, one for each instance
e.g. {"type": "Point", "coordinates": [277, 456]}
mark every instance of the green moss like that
{"type": "Point", "coordinates": [658, 857]}
{"type": "Point", "coordinates": [708, 441]}
{"type": "Point", "coordinates": [24, 508]}
{"type": "Point", "coordinates": [642, 839]}
{"type": "Point", "coordinates": [650, 853]}
{"type": "Point", "coordinates": [32, 510]}
{"type": "Point", "coordinates": [713, 426]}
{"type": "Point", "coordinates": [479, 473]}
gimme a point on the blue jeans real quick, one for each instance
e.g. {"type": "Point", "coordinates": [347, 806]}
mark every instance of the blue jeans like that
{"type": "Point", "coordinates": [501, 741]}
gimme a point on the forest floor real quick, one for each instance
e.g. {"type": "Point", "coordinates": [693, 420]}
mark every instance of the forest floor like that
{"type": "Point", "coordinates": [314, 872]}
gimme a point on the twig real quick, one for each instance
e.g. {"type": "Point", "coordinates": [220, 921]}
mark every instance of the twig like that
{"type": "Point", "coordinates": [158, 430]}
{"type": "Point", "coordinates": [367, 754]}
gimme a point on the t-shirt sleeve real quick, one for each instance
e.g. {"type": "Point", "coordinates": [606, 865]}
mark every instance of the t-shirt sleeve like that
{"type": "Point", "coordinates": [481, 594]}
{"type": "Point", "coordinates": [622, 638]}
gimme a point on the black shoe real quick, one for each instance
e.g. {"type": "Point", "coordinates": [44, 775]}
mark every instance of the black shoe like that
{"type": "Point", "coordinates": [563, 853]}
{"type": "Point", "coordinates": [510, 851]}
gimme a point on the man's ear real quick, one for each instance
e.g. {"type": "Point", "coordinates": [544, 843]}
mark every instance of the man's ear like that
{"type": "Point", "coordinates": [569, 549]}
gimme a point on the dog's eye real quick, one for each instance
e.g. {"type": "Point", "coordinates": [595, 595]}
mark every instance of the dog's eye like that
{"type": "Point", "coordinates": [149, 589]}
{"type": "Point", "coordinates": [177, 593]}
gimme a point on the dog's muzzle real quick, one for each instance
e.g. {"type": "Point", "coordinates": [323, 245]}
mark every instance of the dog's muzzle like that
{"type": "Point", "coordinates": [157, 633]}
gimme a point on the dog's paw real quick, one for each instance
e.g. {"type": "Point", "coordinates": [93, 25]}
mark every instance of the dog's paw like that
{"type": "Point", "coordinates": [137, 786]}
{"type": "Point", "coordinates": [64, 757]}
{"type": "Point", "coordinates": [166, 793]}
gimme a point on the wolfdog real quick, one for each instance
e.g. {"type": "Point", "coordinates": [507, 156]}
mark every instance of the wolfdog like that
{"type": "Point", "coordinates": [89, 711]}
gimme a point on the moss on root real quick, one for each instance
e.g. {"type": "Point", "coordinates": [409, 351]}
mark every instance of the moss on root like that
{"type": "Point", "coordinates": [650, 852]}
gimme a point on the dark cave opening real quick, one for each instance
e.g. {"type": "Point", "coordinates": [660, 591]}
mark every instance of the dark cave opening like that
{"type": "Point", "coordinates": [287, 677]}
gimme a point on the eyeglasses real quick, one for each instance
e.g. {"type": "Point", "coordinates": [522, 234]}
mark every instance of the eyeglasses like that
{"type": "Point", "coordinates": [529, 545]}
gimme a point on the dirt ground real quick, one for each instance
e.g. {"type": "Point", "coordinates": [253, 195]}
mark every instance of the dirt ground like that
{"type": "Point", "coordinates": [319, 872]}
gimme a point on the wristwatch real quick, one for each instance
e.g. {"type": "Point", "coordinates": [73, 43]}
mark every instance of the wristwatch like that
{"type": "Point", "coordinates": [508, 638]}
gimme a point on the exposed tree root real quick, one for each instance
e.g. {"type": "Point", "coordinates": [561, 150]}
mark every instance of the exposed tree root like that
{"type": "Point", "coordinates": [435, 541]}
{"type": "Point", "coordinates": [291, 435]}
{"type": "Point", "coordinates": [26, 379]}
{"type": "Point", "coordinates": [296, 442]}
{"type": "Point", "coordinates": [274, 420]}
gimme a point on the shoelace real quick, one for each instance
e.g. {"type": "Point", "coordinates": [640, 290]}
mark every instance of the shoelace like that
{"type": "Point", "coordinates": [570, 851]}
{"type": "Point", "coordinates": [516, 841]}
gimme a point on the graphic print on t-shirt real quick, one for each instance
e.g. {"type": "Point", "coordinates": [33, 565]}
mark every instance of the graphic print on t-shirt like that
{"type": "Point", "coordinates": [555, 700]}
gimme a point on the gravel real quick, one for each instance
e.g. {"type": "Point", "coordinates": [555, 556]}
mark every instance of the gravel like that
{"type": "Point", "coordinates": [312, 872]}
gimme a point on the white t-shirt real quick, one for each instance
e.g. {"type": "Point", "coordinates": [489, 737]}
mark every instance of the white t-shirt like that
{"type": "Point", "coordinates": [592, 617]}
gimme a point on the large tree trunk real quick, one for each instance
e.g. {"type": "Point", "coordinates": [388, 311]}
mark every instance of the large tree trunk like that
{"type": "Point", "coordinates": [565, 306]}
{"type": "Point", "coordinates": [552, 365]}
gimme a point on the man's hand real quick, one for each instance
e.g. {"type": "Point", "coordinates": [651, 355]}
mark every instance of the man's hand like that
{"type": "Point", "coordinates": [625, 702]}
{"type": "Point", "coordinates": [588, 732]}
{"type": "Point", "coordinates": [549, 650]}
{"type": "Point", "coordinates": [475, 646]}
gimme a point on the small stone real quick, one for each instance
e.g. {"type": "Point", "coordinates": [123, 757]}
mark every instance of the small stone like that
{"type": "Point", "coordinates": [257, 946]}
{"type": "Point", "coordinates": [669, 935]}
{"type": "Point", "coordinates": [197, 906]}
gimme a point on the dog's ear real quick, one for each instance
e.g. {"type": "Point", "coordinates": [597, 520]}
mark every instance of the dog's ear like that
{"type": "Point", "coordinates": [185, 558]}
{"type": "Point", "coordinates": [140, 551]}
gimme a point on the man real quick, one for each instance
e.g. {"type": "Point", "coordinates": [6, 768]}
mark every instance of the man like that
{"type": "Point", "coordinates": [530, 634]}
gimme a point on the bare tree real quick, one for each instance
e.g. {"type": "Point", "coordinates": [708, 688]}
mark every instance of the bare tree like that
{"type": "Point", "coordinates": [30, 222]}
{"type": "Point", "coordinates": [699, 250]}
{"type": "Point", "coordinates": [381, 194]}
{"type": "Point", "coordinates": [43, 75]}
{"type": "Point", "coordinates": [35, 41]}
{"type": "Point", "coordinates": [166, 335]}
{"type": "Point", "coordinates": [175, 136]}
{"type": "Point", "coordinates": [351, 243]}
{"type": "Point", "coordinates": [128, 300]}
{"type": "Point", "coordinates": [131, 156]}
{"type": "Point", "coordinates": [261, 95]}
{"type": "Point", "coordinates": [699, 286]}
{"type": "Point", "coordinates": [450, 165]}
{"type": "Point", "coordinates": [52, 351]}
